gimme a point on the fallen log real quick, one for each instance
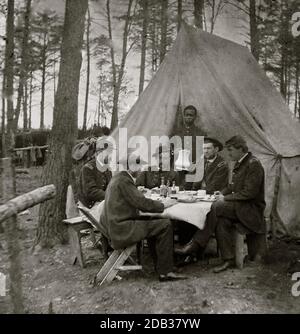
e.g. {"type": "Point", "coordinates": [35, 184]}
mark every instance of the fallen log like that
{"type": "Point", "coordinates": [25, 201]}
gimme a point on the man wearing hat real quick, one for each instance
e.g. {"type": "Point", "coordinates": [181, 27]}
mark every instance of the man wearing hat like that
{"type": "Point", "coordinates": [152, 178]}
{"type": "Point", "coordinates": [92, 181]}
{"type": "Point", "coordinates": [216, 170]}
{"type": "Point", "coordinates": [122, 224]}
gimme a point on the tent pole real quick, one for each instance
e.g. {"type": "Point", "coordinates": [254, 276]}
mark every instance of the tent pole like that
{"type": "Point", "coordinates": [274, 215]}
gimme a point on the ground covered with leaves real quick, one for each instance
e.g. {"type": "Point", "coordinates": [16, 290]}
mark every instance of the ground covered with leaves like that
{"type": "Point", "coordinates": [51, 284]}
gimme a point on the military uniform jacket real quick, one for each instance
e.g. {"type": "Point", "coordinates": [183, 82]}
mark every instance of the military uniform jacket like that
{"type": "Point", "coordinates": [92, 184]}
{"type": "Point", "coordinates": [215, 176]}
{"type": "Point", "coordinates": [248, 194]}
{"type": "Point", "coordinates": [119, 218]}
{"type": "Point", "coordinates": [151, 179]}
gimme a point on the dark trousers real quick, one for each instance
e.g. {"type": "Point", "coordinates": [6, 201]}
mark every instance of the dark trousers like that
{"type": "Point", "coordinates": [159, 235]}
{"type": "Point", "coordinates": [221, 220]}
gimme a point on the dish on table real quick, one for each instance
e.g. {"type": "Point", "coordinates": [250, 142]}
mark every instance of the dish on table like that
{"type": "Point", "coordinates": [187, 199]}
{"type": "Point", "coordinates": [206, 198]}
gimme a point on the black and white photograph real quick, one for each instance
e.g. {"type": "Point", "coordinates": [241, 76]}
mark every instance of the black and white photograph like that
{"type": "Point", "coordinates": [150, 159]}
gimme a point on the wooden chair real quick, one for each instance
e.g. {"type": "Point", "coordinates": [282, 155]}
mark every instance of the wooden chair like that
{"type": "Point", "coordinates": [76, 225]}
{"type": "Point", "coordinates": [102, 241]}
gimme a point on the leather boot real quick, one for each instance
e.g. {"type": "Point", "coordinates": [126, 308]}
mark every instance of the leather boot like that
{"type": "Point", "coordinates": [224, 266]}
{"type": "Point", "coordinates": [191, 248]}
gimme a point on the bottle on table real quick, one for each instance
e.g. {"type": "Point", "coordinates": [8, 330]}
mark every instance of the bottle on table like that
{"type": "Point", "coordinates": [173, 189]}
{"type": "Point", "coordinates": [163, 188]}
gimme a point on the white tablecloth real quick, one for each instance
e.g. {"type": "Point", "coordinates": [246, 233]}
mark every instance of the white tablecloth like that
{"type": "Point", "coordinates": [193, 213]}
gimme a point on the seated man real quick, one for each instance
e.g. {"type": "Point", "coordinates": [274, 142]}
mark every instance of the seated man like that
{"type": "Point", "coordinates": [122, 224]}
{"type": "Point", "coordinates": [93, 182]}
{"type": "Point", "coordinates": [152, 178]}
{"type": "Point", "coordinates": [215, 178]}
{"type": "Point", "coordinates": [239, 206]}
{"type": "Point", "coordinates": [216, 170]}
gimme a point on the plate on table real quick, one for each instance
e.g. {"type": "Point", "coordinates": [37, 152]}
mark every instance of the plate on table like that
{"type": "Point", "coordinates": [188, 192]}
{"type": "Point", "coordinates": [207, 198]}
{"type": "Point", "coordinates": [187, 199]}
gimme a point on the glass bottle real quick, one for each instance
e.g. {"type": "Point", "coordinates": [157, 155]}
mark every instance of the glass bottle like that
{"type": "Point", "coordinates": [163, 188]}
{"type": "Point", "coordinates": [173, 189]}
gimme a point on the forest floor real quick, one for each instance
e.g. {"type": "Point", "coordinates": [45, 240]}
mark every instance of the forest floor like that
{"type": "Point", "coordinates": [48, 276]}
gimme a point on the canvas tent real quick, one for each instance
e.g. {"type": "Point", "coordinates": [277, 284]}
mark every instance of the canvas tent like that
{"type": "Point", "coordinates": [233, 96]}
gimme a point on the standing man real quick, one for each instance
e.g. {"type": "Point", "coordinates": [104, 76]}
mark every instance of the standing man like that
{"type": "Point", "coordinates": [123, 226]}
{"type": "Point", "coordinates": [215, 168]}
{"type": "Point", "coordinates": [188, 134]}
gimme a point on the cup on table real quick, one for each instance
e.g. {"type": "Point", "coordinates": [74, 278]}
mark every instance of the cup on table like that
{"type": "Point", "coordinates": [201, 193]}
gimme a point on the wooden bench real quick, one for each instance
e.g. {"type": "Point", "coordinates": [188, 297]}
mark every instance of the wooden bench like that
{"type": "Point", "coordinates": [75, 227]}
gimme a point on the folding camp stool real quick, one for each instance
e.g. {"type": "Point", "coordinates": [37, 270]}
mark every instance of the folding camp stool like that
{"type": "Point", "coordinates": [115, 263]}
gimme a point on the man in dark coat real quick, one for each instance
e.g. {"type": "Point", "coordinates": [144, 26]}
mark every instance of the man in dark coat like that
{"type": "Point", "coordinates": [152, 178]}
{"type": "Point", "coordinates": [215, 168]}
{"type": "Point", "coordinates": [122, 224]}
{"type": "Point", "coordinates": [92, 181]}
{"type": "Point", "coordinates": [188, 133]}
{"type": "Point", "coordinates": [215, 178]}
{"type": "Point", "coordinates": [240, 205]}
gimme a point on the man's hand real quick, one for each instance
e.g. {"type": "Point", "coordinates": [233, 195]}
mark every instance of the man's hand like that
{"type": "Point", "coordinates": [192, 168]}
{"type": "Point", "coordinates": [168, 202]}
{"type": "Point", "coordinates": [219, 197]}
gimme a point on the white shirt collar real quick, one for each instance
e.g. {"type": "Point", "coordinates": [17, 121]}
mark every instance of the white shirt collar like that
{"type": "Point", "coordinates": [131, 176]}
{"type": "Point", "coordinates": [212, 160]}
{"type": "Point", "coordinates": [243, 157]}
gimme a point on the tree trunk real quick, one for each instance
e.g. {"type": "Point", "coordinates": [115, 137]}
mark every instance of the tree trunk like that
{"type": "Point", "coordinates": [9, 77]}
{"type": "Point", "coordinates": [88, 55]}
{"type": "Point", "coordinates": [3, 116]}
{"type": "Point", "coordinates": [25, 105]}
{"type": "Point", "coordinates": [99, 101]}
{"type": "Point", "coordinates": [54, 77]}
{"type": "Point", "coordinates": [30, 100]}
{"type": "Point", "coordinates": [117, 87]}
{"type": "Point", "coordinates": [43, 86]}
{"type": "Point", "coordinates": [163, 29]}
{"type": "Point", "coordinates": [153, 38]}
{"type": "Point", "coordinates": [144, 43]}
{"type": "Point", "coordinates": [24, 64]}
{"type": "Point", "coordinates": [112, 55]}
{"type": "Point", "coordinates": [12, 237]}
{"type": "Point", "coordinates": [198, 13]}
{"type": "Point", "coordinates": [179, 14]}
{"type": "Point", "coordinates": [296, 87]}
{"type": "Point", "coordinates": [64, 130]}
{"type": "Point", "coordinates": [254, 33]}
